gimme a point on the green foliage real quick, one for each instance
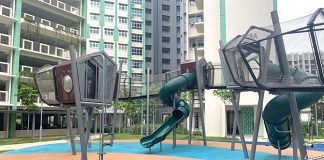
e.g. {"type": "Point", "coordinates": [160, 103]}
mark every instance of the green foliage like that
{"type": "Point", "coordinates": [182, 131]}
{"type": "Point", "coordinates": [26, 74]}
{"type": "Point", "coordinates": [224, 95]}
{"type": "Point", "coordinates": [28, 95]}
{"type": "Point", "coordinates": [187, 96]}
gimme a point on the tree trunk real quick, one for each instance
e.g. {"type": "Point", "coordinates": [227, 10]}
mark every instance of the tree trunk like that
{"type": "Point", "coordinates": [33, 126]}
{"type": "Point", "coordinates": [27, 123]}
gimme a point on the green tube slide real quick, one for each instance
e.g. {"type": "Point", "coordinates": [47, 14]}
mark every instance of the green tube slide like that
{"type": "Point", "coordinates": [277, 111]}
{"type": "Point", "coordinates": [178, 115]}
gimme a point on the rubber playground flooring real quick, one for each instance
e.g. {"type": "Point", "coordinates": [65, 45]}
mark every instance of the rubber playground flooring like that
{"type": "Point", "coordinates": [130, 150]}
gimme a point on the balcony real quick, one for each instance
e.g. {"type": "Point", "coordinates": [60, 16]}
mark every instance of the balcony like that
{"type": "Point", "coordinates": [200, 4]}
{"type": "Point", "coordinates": [4, 68]}
{"type": "Point", "coordinates": [57, 7]}
{"type": "Point", "coordinates": [26, 72]}
{"type": "Point", "coordinates": [4, 96]}
{"type": "Point", "coordinates": [49, 28]}
{"type": "Point", "coordinates": [5, 42]}
{"type": "Point", "coordinates": [43, 51]}
{"type": "Point", "coordinates": [6, 15]}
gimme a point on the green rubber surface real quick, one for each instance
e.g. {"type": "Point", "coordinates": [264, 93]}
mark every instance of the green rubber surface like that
{"type": "Point", "coordinates": [277, 112]}
{"type": "Point", "coordinates": [178, 115]}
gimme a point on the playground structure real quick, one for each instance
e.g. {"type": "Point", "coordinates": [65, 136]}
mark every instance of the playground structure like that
{"type": "Point", "coordinates": [255, 61]}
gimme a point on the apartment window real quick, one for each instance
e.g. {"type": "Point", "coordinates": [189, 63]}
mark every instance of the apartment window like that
{"type": "Point", "coordinates": [178, 40]}
{"type": "Point", "coordinates": [122, 20]}
{"type": "Point", "coordinates": [109, 5]}
{"type": "Point", "coordinates": [147, 10]}
{"type": "Point", "coordinates": [148, 47]}
{"type": "Point", "coordinates": [125, 62]}
{"type": "Point", "coordinates": [136, 25]}
{"type": "Point", "coordinates": [122, 7]}
{"type": "Point", "coordinates": [122, 33]}
{"type": "Point", "coordinates": [148, 59]}
{"type": "Point", "coordinates": [148, 23]}
{"type": "Point", "coordinates": [136, 38]}
{"type": "Point", "coordinates": [137, 12]}
{"type": "Point", "coordinates": [148, 35]}
{"type": "Point", "coordinates": [94, 30]}
{"type": "Point", "coordinates": [166, 39]}
{"type": "Point", "coordinates": [137, 75]}
{"type": "Point", "coordinates": [165, 18]}
{"type": "Point", "coordinates": [178, 8]}
{"type": "Point", "coordinates": [122, 47]}
{"type": "Point", "coordinates": [165, 50]}
{"type": "Point", "coordinates": [166, 61]}
{"type": "Point", "coordinates": [195, 19]}
{"type": "Point", "coordinates": [166, 28]}
{"type": "Point", "coordinates": [137, 1]}
{"type": "Point", "coordinates": [94, 44]}
{"type": "Point", "coordinates": [95, 3]}
{"type": "Point", "coordinates": [109, 18]}
{"type": "Point", "coordinates": [199, 43]}
{"type": "Point", "coordinates": [94, 16]}
{"type": "Point", "coordinates": [136, 64]}
{"type": "Point", "coordinates": [109, 45]}
{"type": "Point", "coordinates": [136, 51]}
{"type": "Point", "coordinates": [178, 29]}
{"type": "Point", "coordinates": [178, 18]}
{"type": "Point", "coordinates": [165, 70]}
{"type": "Point", "coordinates": [109, 32]}
{"type": "Point", "coordinates": [165, 7]}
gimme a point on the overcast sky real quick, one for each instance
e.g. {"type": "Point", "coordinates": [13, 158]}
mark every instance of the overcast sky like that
{"type": "Point", "coordinates": [292, 9]}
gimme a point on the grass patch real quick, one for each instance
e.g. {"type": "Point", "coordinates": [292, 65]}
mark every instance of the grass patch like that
{"type": "Point", "coordinates": [4, 151]}
{"type": "Point", "coordinates": [27, 140]}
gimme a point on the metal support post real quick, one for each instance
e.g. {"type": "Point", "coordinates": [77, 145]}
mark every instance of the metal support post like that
{"type": "Point", "coordinates": [279, 151]}
{"type": "Point", "coordinates": [294, 142]}
{"type": "Point", "coordinates": [69, 125]}
{"type": "Point", "coordinates": [191, 116]}
{"type": "Point", "coordinates": [296, 125]}
{"type": "Point", "coordinates": [142, 117]}
{"type": "Point", "coordinates": [41, 122]}
{"type": "Point", "coordinates": [79, 108]}
{"type": "Point", "coordinates": [235, 101]}
{"type": "Point", "coordinates": [88, 129]}
{"type": "Point", "coordinates": [234, 134]}
{"type": "Point", "coordinates": [174, 132]}
{"type": "Point", "coordinates": [160, 146]}
{"type": "Point", "coordinates": [200, 94]}
{"type": "Point", "coordinates": [116, 100]}
{"type": "Point", "coordinates": [147, 100]}
{"type": "Point", "coordinates": [257, 124]}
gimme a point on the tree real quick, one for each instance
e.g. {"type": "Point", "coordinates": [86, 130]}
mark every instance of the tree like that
{"type": "Point", "coordinates": [28, 94]}
{"type": "Point", "coordinates": [187, 96]}
{"type": "Point", "coordinates": [224, 95]}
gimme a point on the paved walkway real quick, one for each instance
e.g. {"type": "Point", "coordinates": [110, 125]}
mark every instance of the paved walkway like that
{"type": "Point", "coordinates": [25, 145]}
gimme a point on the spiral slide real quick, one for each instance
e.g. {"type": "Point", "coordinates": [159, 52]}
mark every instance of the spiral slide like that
{"type": "Point", "coordinates": [178, 115]}
{"type": "Point", "coordinates": [277, 111]}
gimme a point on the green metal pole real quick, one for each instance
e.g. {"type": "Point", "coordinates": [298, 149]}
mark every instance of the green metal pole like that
{"type": "Point", "coordinates": [15, 69]}
{"type": "Point", "coordinates": [84, 25]}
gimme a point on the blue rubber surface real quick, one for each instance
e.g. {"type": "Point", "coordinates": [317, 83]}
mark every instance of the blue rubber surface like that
{"type": "Point", "coordinates": [186, 151]}
{"type": "Point", "coordinates": [316, 147]}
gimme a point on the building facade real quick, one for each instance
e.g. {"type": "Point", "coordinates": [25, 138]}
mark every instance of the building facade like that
{"type": "Point", "coordinates": [163, 35]}
{"type": "Point", "coordinates": [208, 22]}
{"type": "Point", "coordinates": [33, 33]}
